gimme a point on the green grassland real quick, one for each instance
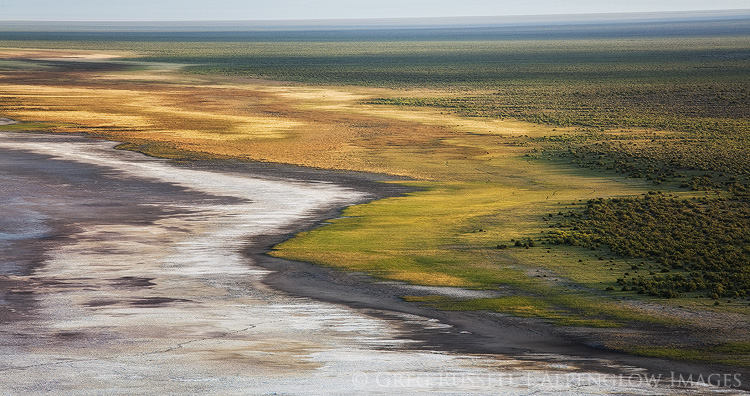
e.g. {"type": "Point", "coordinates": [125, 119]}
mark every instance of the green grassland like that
{"type": "Point", "coordinates": [559, 220]}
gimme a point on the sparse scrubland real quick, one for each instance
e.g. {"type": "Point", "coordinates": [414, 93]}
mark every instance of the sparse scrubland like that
{"type": "Point", "coordinates": [594, 183]}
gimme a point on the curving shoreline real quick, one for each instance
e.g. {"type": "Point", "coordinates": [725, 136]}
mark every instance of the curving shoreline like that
{"type": "Point", "coordinates": [469, 332]}
{"type": "Point", "coordinates": [474, 332]}
{"type": "Point", "coordinates": [145, 281]}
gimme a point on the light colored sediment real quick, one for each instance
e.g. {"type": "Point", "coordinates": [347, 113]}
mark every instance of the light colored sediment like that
{"type": "Point", "coordinates": [172, 307]}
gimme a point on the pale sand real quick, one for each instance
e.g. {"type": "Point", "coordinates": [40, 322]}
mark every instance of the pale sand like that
{"type": "Point", "coordinates": [143, 288]}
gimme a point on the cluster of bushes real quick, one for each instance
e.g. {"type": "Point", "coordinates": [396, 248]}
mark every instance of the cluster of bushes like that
{"type": "Point", "coordinates": [706, 241]}
{"type": "Point", "coordinates": [716, 109]}
{"type": "Point", "coordinates": [664, 158]}
{"type": "Point", "coordinates": [622, 161]}
{"type": "Point", "coordinates": [621, 126]}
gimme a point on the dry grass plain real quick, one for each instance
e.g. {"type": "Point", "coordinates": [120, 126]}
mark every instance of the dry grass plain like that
{"type": "Point", "coordinates": [477, 188]}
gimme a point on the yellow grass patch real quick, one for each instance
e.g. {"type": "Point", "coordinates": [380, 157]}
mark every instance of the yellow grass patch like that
{"type": "Point", "coordinates": [88, 117]}
{"type": "Point", "coordinates": [482, 191]}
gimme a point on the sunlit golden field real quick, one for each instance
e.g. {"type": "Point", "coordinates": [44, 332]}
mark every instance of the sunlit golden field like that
{"type": "Point", "coordinates": [478, 189]}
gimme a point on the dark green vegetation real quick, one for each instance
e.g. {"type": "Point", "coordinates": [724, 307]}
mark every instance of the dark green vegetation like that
{"type": "Point", "coordinates": [669, 102]}
{"type": "Point", "coordinates": [527, 64]}
{"type": "Point", "coordinates": [662, 111]}
{"type": "Point", "coordinates": [684, 122]}
{"type": "Point", "coordinates": [699, 246]}
{"type": "Point", "coordinates": [525, 72]}
{"type": "Point", "coordinates": [684, 99]}
{"type": "Point", "coordinates": [652, 108]}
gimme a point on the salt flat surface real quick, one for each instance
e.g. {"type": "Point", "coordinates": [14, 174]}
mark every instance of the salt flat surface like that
{"type": "Point", "coordinates": [129, 302]}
